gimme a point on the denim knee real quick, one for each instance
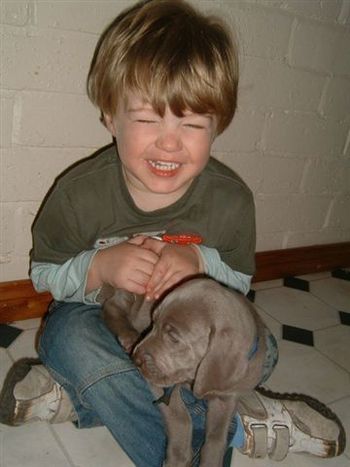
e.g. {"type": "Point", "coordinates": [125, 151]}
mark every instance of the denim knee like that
{"type": "Point", "coordinates": [76, 343]}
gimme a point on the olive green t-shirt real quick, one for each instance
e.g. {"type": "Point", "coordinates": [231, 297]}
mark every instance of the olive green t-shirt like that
{"type": "Point", "coordinates": [90, 204]}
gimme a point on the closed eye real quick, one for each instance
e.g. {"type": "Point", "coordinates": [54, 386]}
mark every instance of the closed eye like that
{"type": "Point", "coordinates": [173, 337]}
{"type": "Point", "coordinates": [172, 333]}
{"type": "Point", "coordinates": [146, 121]}
{"type": "Point", "coordinates": [197, 127]}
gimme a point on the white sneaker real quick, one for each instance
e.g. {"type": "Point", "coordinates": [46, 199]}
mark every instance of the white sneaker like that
{"type": "Point", "coordinates": [30, 394]}
{"type": "Point", "coordinates": [276, 424]}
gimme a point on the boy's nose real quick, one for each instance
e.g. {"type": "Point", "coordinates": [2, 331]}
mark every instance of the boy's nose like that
{"type": "Point", "coordinates": [169, 140]}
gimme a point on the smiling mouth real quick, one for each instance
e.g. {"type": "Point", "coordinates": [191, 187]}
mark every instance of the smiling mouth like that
{"type": "Point", "coordinates": [164, 168]}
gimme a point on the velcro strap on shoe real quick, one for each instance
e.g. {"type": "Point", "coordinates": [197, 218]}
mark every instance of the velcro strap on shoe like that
{"type": "Point", "coordinates": [281, 443]}
{"type": "Point", "coordinates": [260, 441]}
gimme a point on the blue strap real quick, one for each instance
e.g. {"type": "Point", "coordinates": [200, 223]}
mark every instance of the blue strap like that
{"type": "Point", "coordinates": [254, 348]}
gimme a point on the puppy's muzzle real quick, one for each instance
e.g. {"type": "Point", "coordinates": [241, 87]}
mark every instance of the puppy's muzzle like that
{"type": "Point", "coordinates": [145, 362]}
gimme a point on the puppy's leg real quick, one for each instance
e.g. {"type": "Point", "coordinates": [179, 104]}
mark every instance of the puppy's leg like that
{"type": "Point", "coordinates": [179, 431]}
{"type": "Point", "coordinates": [219, 416]}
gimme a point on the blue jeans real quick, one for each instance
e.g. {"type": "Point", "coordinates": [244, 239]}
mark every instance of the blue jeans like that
{"type": "Point", "coordinates": [106, 388]}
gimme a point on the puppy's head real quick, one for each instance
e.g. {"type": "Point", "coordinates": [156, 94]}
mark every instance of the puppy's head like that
{"type": "Point", "coordinates": [171, 352]}
{"type": "Point", "coordinates": [202, 333]}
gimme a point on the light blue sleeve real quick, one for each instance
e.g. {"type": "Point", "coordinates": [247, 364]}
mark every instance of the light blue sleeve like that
{"type": "Point", "coordinates": [220, 271]}
{"type": "Point", "coordinates": [67, 281]}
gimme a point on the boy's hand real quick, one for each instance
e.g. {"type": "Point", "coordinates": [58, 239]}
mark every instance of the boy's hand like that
{"type": "Point", "coordinates": [176, 262]}
{"type": "Point", "coordinates": [128, 266]}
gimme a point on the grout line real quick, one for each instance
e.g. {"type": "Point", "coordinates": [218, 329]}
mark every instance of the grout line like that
{"type": "Point", "coordinates": [61, 445]}
{"type": "Point", "coordinates": [340, 399]}
{"type": "Point", "coordinates": [322, 300]}
{"type": "Point", "coordinates": [9, 356]}
{"type": "Point", "coordinates": [338, 365]}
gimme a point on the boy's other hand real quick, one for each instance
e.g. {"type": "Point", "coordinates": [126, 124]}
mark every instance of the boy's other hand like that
{"type": "Point", "coordinates": [176, 262]}
{"type": "Point", "coordinates": [128, 266]}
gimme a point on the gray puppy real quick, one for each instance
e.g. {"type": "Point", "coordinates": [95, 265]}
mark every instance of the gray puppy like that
{"type": "Point", "coordinates": [203, 335]}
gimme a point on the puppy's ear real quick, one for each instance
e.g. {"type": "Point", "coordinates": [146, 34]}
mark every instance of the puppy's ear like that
{"type": "Point", "coordinates": [222, 368]}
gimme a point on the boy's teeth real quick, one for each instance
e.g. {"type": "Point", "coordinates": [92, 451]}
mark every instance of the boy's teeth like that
{"type": "Point", "coordinates": [162, 165]}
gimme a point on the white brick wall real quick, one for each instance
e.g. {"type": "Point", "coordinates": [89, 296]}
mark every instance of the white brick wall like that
{"type": "Point", "coordinates": [290, 139]}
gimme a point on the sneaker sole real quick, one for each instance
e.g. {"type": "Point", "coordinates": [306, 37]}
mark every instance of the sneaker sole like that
{"type": "Point", "coordinates": [335, 448]}
{"type": "Point", "coordinates": [17, 373]}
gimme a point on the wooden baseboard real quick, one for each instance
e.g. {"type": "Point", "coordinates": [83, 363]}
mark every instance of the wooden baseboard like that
{"type": "Point", "coordinates": [303, 260]}
{"type": "Point", "coordinates": [19, 301]}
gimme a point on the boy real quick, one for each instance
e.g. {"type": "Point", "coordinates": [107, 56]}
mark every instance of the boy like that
{"type": "Point", "coordinates": [165, 79]}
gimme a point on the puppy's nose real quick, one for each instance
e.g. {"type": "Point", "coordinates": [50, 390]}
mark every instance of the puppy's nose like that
{"type": "Point", "coordinates": [137, 359]}
{"type": "Point", "coordinates": [141, 357]}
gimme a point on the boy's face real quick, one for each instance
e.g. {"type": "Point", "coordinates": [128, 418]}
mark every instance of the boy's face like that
{"type": "Point", "coordinates": [160, 155]}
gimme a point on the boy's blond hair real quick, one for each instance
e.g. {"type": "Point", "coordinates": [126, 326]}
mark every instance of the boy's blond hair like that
{"type": "Point", "coordinates": [171, 55]}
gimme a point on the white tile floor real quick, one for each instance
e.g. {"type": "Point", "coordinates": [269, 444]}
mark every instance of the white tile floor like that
{"type": "Point", "coordinates": [322, 371]}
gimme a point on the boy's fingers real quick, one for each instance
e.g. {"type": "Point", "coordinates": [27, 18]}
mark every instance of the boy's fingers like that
{"type": "Point", "coordinates": [159, 275]}
{"type": "Point", "coordinates": [166, 285]}
{"type": "Point", "coordinates": [159, 283]}
{"type": "Point", "coordinates": [138, 240]}
{"type": "Point", "coordinates": [154, 245]}
{"type": "Point", "coordinates": [137, 288]}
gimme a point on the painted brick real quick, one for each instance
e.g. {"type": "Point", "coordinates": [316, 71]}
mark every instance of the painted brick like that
{"type": "Point", "coordinates": [294, 89]}
{"type": "Point", "coordinates": [58, 120]}
{"type": "Point", "coordinates": [271, 31]}
{"type": "Point", "coordinates": [18, 218]}
{"type": "Point", "coordinates": [273, 85]}
{"type": "Point", "coordinates": [24, 217]}
{"type": "Point", "coordinates": [13, 268]}
{"type": "Point", "coordinates": [266, 3]}
{"type": "Point", "coordinates": [341, 63]}
{"type": "Point", "coordinates": [326, 176]}
{"type": "Point", "coordinates": [243, 134]}
{"type": "Point", "coordinates": [249, 166]}
{"type": "Point", "coordinates": [315, 46]}
{"type": "Point", "coordinates": [339, 216]}
{"type": "Point", "coordinates": [41, 166]}
{"type": "Point", "coordinates": [316, 237]}
{"type": "Point", "coordinates": [326, 10]}
{"type": "Point", "coordinates": [254, 86]}
{"type": "Point", "coordinates": [273, 213]}
{"type": "Point", "coordinates": [309, 212]}
{"type": "Point", "coordinates": [93, 17]}
{"type": "Point", "coordinates": [346, 151]}
{"type": "Point", "coordinates": [276, 213]}
{"type": "Point", "coordinates": [281, 175]}
{"type": "Point", "coordinates": [6, 119]}
{"type": "Point", "coordinates": [304, 134]}
{"type": "Point", "coordinates": [50, 60]}
{"type": "Point", "coordinates": [7, 238]}
{"type": "Point", "coordinates": [16, 13]}
{"type": "Point", "coordinates": [336, 101]}
{"type": "Point", "coordinates": [344, 15]}
{"type": "Point", "coordinates": [269, 241]}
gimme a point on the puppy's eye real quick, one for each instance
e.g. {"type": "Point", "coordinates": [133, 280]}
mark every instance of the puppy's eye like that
{"type": "Point", "coordinates": [173, 337]}
{"type": "Point", "coordinates": [171, 333]}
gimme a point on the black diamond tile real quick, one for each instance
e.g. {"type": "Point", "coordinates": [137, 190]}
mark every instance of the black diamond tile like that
{"type": "Point", "coordinates": [299, 335]}
{"type": "Point", "coordinates": [251, 295]}
{"type": "Point", "coordinates": [341, 274]}
{"type": "Point", "coordinates": [296, 283]}
{"type": "Point", "coordinates": [8, 334]}
{"type": "Point", "coordinates": [344, 318]}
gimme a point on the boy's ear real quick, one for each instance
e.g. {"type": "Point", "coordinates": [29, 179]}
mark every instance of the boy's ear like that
{"type": "Point", "coordinates": [109, 123]}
